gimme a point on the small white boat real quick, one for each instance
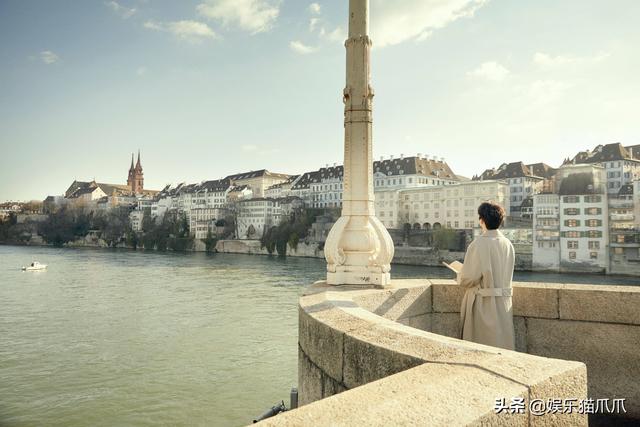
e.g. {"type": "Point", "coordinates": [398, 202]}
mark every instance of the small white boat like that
{"type": "Point", "coordinates": [35, 266]}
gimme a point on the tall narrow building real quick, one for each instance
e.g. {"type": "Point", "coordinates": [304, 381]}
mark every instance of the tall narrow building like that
{"type": "Point", "coordinates": [135, 181]}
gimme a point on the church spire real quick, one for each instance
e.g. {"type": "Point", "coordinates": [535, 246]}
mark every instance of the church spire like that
{"type": "Point", "coordinates": [138, 165]}
{"type": "Point", "coordinates": [131, 168]}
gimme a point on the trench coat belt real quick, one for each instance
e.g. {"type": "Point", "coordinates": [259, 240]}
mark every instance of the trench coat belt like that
{"type": "Point", "coordinates": [494, 292]}
{"type": "Point", "coordinates": [482, 292]}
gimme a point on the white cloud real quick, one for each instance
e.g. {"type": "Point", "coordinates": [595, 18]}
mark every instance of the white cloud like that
{"type": "Point", "coordinates": [337, 35]}
{"type": "Point", "coordinates": [546, 61]}
{"type": "Point", "coordinates": [313, 22]}
{"type": "Point", "coordinates": [315, 8]}
{"type": "Point", "coordinates": [193, 31]}
{"type": "Point", "coordinates": [318, 25]}
{"type": "Point", "coordinates": [299, 47]}
{"type": "Point", "coordinates": [399, 21]}
{"type": "Point", "coordinates": [254, 16]}
{"type": "Point", "coordinates": [490, 70]}
{"type": "Point", "coordinates": [123, 12]}
{"type": "Point", "coordinates": [49, 57]}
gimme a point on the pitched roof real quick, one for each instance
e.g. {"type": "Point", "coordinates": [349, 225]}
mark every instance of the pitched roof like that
{"type": "Point", "coordinates": [78, 188]}
{"type": "Point", "coordinates": [605, 153]}
{"type": "Point", "coordinates": [527, 202]}
{"type": "Point", "coordinates": [397, 167]}
{"type": "Point", "coordinates": [331, 172]}
{"type": "Point", "coordinates": [634, 151]}
{"type": "Point", "coordinates": [256, 174]}
{"type": "Point", "coordinates": [542, 169]}
{"type": "Point", "coordinates": [414, 165]}
{"type": "Point", "coordinates": [215, 185]}
{"type": "Point", "coordinates": [306, 179]}
{"type": "Point", "coordinates": [513, 170]}
{"type": "Point", "coordinates": [290, 180]}
{"type": "Point", "coordinates": [579, 183]}
{"type": "Point", "coordinates": [626, 190]}
{"type": "Point", "coordinates": [238, 188]}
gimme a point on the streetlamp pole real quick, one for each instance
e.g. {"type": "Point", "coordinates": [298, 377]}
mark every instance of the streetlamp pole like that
{"type": "Point", "coordinates": [359, 248]}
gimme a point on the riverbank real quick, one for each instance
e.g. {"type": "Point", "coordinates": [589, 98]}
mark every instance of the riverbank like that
{"type": "Point", "coordinates": [404, 255]}
{"type": "Point", "coordinates": [399, 270]}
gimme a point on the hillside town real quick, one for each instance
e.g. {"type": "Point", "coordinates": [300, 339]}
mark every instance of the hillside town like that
{"type": "Point", "coordinates": [582, 216]}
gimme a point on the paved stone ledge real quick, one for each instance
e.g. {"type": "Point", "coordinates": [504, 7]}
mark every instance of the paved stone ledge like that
{"type": "Point", "coordinates": [391, 357]}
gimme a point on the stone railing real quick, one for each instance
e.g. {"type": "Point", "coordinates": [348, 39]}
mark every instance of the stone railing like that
{"type": "Point", "coordinates": [398, 345]}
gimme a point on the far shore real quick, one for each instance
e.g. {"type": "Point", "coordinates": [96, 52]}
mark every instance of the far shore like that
{"type": "Point", "coordinates": [537, 276]}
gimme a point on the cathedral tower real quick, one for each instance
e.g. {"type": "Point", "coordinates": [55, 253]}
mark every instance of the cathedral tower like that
{"type": "Point", "coordinates": [135, 179]}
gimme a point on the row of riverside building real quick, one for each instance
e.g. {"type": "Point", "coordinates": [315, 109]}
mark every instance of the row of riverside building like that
{"type": "Point", "coordinates": [582, 216]}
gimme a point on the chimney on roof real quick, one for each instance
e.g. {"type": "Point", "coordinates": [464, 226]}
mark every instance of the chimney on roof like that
{"type": "Point", "coordinates": [381, 158]}
{"type": "Point", "coordinates": [335, 164]}
{"type": "Point", "coordinates": [401, 156]}
{"type": "Point", "coordinates": [419, 155]}
{"type": "Point", "coordinates": [391, 157]}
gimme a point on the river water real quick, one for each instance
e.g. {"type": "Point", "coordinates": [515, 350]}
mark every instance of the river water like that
{"type": "Point", "coordinates": [116, 337]}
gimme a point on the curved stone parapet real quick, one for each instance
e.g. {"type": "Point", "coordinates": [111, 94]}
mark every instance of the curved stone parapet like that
{"type": "Point", "coordinates": [392, 353]}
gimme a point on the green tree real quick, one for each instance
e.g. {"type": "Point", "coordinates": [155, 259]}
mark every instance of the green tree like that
{"type": "Point", "coordinates": [289, 232]}
{"type": "Point", "coordinates": [210, 242]}
{"type": "Point", "coordinates": [64, 226]}
{"type": "Point", "coordinates": [132, 239]}
{"type": "Point", "coordinates": [117, 226]}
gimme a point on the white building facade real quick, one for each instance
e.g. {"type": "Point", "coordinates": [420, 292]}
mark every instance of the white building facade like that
{"type": "Point", "coordinates": [571, 231]}
{"type": "Point", "coordinates": [452, 206]}
{"type": "Point", "coordinates": [546, 232]}
{"type": "Point", "coordinates": [253, 216]}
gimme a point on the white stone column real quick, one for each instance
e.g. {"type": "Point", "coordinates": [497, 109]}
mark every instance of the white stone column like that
{"type": "Point", "coordinates": [359, 248]}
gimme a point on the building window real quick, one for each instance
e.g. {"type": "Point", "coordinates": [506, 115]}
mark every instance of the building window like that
{"type": "Point", "coordinates": [572, 222]}
{"type": "Point", "coordinates": [571, 234]}
{"type": "Point", "coordinates": [594, 245]}
{"type": "Point", "coordinates": [594, 223]}
{"type": "Point", "coordinates": [572, 255]}
{"type": "Point", "coordinates": [593, 211]}
{"type": "Point", "coordinates": [593, 199]}
{"type": "Point", "coordinates": [593, 255]}
{"type": "Point", "coordinates": [594, 234]}
{"type": "Point", "coordinates": [572, 211]}
{"type": "Point", "coordinates": [571, 199]}
{"type": "Point", "coordinates": [572, 244]}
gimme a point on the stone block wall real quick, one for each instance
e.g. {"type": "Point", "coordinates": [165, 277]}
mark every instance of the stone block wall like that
{"type": "Point", "coordinates": [596, 325]}
{"type": "Point", "coordinates": [390, 356]}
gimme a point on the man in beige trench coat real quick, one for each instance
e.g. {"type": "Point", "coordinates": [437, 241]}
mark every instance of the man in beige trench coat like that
{"type": "Point", "coordinates": [486, 312]}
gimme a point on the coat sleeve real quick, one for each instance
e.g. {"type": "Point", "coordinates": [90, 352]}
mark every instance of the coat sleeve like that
{"type": "Point", "coordinates": [471, 273]}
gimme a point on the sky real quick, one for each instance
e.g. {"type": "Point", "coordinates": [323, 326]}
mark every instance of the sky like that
{"type": "Point", "coordinates": [208, 88]}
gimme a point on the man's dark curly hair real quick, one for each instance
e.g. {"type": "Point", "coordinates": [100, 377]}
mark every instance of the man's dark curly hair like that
{"type": "Point", "coordinates": [492, 214]}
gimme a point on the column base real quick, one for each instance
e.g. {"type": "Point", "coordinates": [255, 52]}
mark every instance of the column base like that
{"type": "Point", "coordinates": [358, 276]}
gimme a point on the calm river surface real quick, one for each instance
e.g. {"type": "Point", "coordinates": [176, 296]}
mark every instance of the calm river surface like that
{"type": "Point", "coordinates": [115, 337]}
